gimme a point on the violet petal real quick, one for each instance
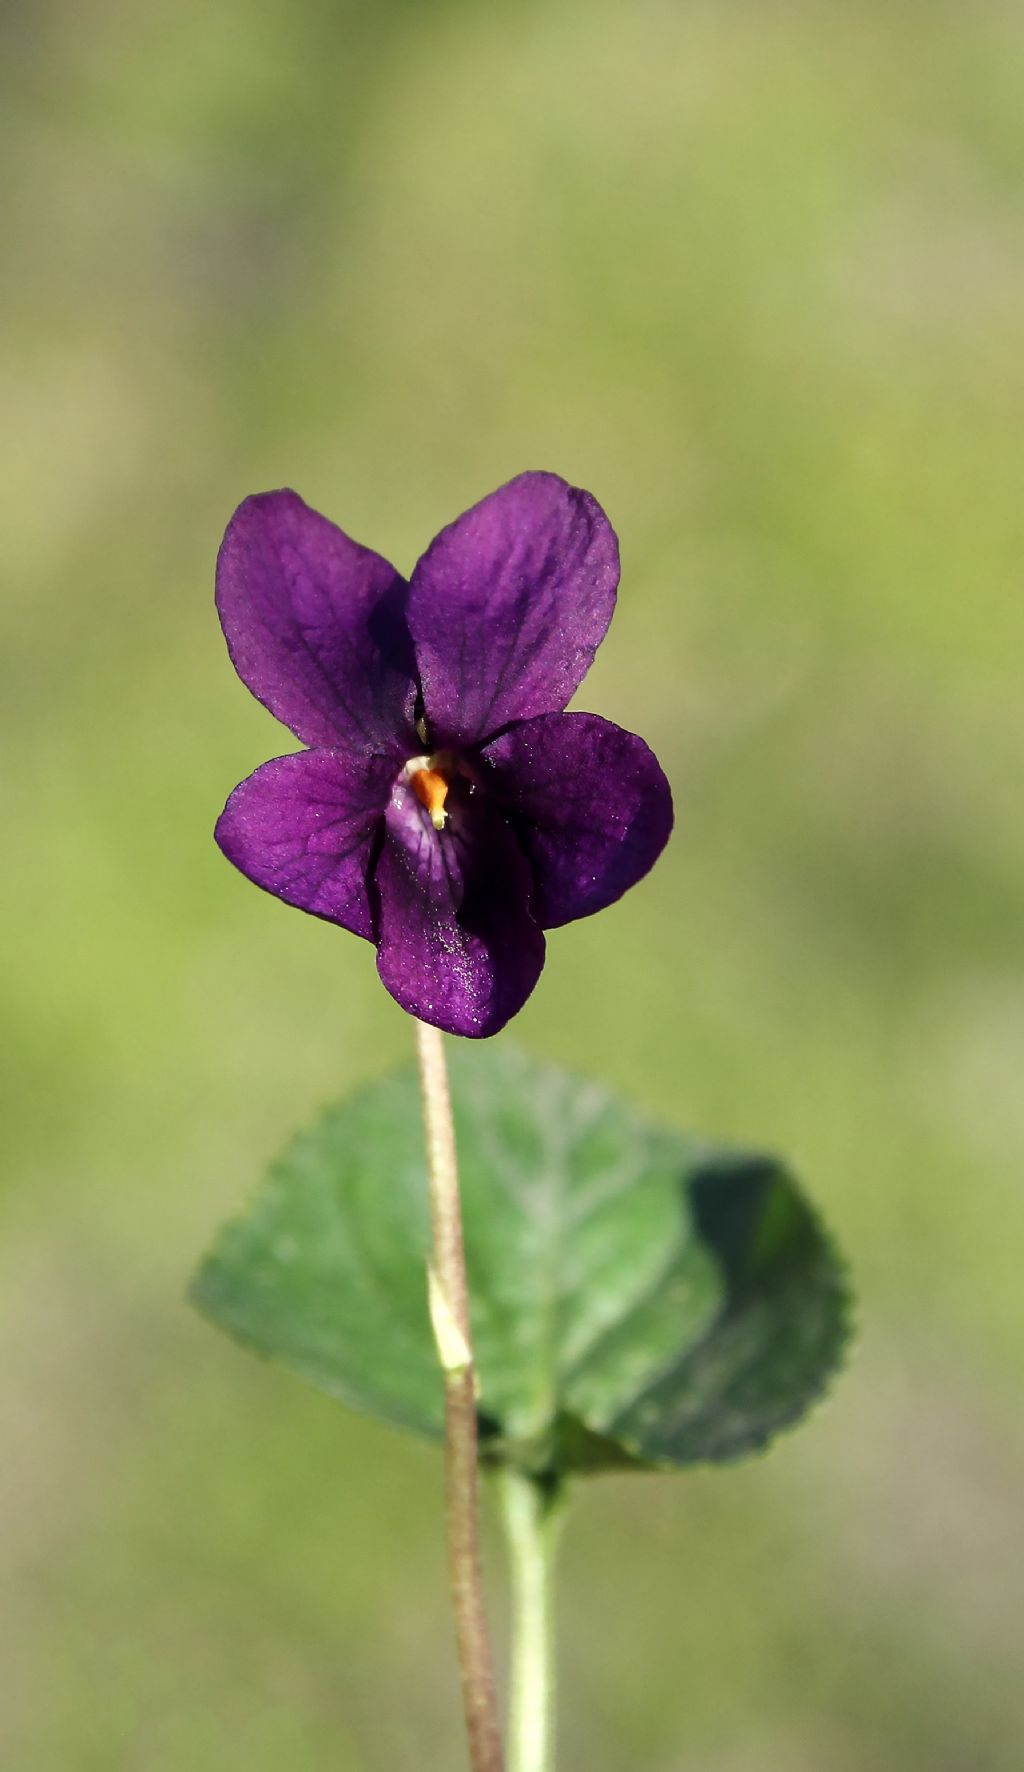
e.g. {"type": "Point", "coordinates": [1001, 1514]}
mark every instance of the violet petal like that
{"type": "Point", "coordinates": [305, 827]}
{"type": "Point", "coordinates": [457, 944]}
{"type": "Point", "coordinates": [508, 606]}
{"type": "Point", "coordinates": [589, 804]}
{"type": "Point", "coordinates": [315, 626]}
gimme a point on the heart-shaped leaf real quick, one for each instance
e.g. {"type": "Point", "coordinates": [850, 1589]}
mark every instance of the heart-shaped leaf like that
{"type": "Point", "coordinates": [638, 1298]}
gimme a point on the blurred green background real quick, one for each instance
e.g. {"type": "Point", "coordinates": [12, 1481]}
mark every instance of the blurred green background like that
{"type": "Point", "coordinates": [754, 274]}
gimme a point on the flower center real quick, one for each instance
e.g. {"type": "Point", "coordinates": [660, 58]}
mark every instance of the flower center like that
{"type": "Point", "coordinates": [430, 778]}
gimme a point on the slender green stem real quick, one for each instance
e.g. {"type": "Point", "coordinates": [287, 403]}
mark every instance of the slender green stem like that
{"type": "Point", "coordinates": [449, 1310]}
{"type": "Point", "coordinates": [532, 1516]}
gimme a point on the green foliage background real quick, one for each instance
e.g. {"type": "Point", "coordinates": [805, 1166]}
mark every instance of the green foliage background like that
{"type": "Point", "coordinates": [754, 275]}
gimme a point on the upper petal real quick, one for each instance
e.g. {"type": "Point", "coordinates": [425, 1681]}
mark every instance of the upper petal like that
{"type": "Point", "coordinates": [458, 946]}
{"type": "Point", "coordinates": [589, 804]}
{"type": "Point", "coordinates": [315, 625]}
{"type": "Point", "coordinates": [305, 827]}
{"type": "Point", "coordinates": [508, 606]}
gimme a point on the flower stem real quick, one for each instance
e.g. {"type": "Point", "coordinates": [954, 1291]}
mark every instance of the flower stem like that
{"type": "Point", "coordinates": [532, 1515]}
{"type": "Point", "coordinates": [449, 1310]}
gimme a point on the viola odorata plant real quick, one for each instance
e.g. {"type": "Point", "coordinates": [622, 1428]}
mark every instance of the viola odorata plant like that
{"type": "Point", "coordinates": [599, 1292]}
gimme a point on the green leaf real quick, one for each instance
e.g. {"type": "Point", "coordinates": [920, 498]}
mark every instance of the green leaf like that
{"type": "Point", "coordinates": [638, 1298]}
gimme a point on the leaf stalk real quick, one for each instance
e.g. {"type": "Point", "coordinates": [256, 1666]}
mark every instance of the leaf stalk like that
{"type": "Point", "coordinates": [532, 1513]}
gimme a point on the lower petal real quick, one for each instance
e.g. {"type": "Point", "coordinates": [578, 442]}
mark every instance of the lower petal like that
{"type": "Point", "coordinates": [589, 804]}
{"type": "Point", "coordinates": [305, 827]}
{"type": "Point", "coordinates": [457, 945]}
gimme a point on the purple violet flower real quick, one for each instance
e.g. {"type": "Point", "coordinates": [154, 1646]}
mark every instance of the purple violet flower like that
{"type": "Point", "coordinates": [447, 809]}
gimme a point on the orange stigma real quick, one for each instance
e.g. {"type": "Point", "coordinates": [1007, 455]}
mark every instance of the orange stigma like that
{"type": "Point", "coordinates": [431, 789]}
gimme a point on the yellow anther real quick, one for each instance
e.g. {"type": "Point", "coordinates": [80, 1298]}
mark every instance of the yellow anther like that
{"type": "Point", "coordinates": [431, 789]}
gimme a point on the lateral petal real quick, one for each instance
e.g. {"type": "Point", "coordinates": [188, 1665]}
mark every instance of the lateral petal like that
{"type": "Point", "coordinates": [305, 828]}
{"type": "Point", "coordinates": [589, 804]}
